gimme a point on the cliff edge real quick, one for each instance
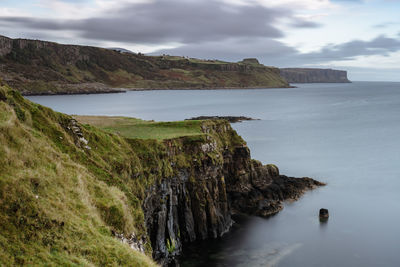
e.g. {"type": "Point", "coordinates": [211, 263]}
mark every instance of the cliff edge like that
{"type": "Point", "coordinates": [311, 75]}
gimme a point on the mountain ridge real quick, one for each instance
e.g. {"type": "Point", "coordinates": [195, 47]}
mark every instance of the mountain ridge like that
{"type": "Point", "coordinates": [42, 67]}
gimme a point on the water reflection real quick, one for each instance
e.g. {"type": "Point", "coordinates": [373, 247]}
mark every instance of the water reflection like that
{"type": "Point", "coordinates": [246, 245]}
{"type": "Point", "coordinates": [323, 223]}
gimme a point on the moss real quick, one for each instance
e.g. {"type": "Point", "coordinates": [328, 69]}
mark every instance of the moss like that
{"type": "Point", "coordinates": [171, 245]}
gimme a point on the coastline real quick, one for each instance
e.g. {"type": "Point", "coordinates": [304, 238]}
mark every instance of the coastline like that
{"type": "Point", "coordinates": [124, 90]}
{"type": "Point", "coordinates": [73, 93]}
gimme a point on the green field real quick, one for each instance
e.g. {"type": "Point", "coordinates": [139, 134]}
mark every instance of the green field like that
{"type": "Point", "coordinates": [141, 129]}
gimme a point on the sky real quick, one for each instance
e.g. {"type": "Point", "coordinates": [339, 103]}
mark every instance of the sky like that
{"type": "Point", "coordinates": [360, 36]}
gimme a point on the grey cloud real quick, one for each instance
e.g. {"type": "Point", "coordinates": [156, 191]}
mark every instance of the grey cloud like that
{"type": "Point", "coordinates": [233, 49]}
{"type": "Point", "coordinates": [167, 21]}
{"type": "Point", "coordinates": [179, 21]}
{"type": "Point", "coordinates": [380, 45]}
{"type": "Point", "coordinates": [386, 24]}
{"type": "Point", "coordinates": [304, 24]}
{"type": "Point", "coordinates": [271, 52]}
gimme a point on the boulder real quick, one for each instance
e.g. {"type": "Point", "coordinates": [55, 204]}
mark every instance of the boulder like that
{"type": "Point", "coordinates": [323, 214]}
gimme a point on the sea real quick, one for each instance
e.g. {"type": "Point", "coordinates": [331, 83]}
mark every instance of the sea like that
{"type": "Point", "coordinates": [346, 135]}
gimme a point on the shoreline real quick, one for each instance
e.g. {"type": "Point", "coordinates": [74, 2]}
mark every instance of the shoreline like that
{"type": "Point", "coordinates": [124, 90]}
{"type": "Point", "coordinates": [74, 93]}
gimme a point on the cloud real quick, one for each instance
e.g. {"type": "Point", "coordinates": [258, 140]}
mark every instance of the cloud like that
{"type": "Point", "coordinates": [304, 24]}
{"type": "Point", "coordinates": [386, 24]}
{"type": "Point", "coordinates": [275, 53]}
{"type": "Point", "coordinates": [178, 21]}
{"type": "Point", "coordinates": [380, 45]}
{"type": "Point", "coordinates": [233, 49]}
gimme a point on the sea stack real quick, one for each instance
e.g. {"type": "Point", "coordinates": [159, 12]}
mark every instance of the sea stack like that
{"type": "Point", "coordinates": [323, 214]}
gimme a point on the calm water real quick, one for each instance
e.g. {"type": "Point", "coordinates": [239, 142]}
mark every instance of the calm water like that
{"type": "Point", "coordinates": [344, 134]}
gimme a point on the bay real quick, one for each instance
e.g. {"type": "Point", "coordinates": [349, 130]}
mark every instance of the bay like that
{"type": "Point", "coordinates": [346, 135]}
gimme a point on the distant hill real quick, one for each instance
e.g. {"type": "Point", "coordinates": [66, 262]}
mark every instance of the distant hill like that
{"type": "Point", "coordinates": [310, 75]}
{"type": "Point", "coordinates": [41, 67]}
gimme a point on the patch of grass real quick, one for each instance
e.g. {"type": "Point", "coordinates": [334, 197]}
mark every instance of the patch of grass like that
{"type": "Point", "coordinates": [136, 128]}
{"type": "Point", "coordinates": [171, 245]}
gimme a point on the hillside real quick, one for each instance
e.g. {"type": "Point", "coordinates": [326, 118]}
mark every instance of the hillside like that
{"type": "Point", "coordinates": [72, 194]}
{"type": "Point", "coordinates": [40, 67]}
{"type": "Point", "coordinates": [311, 75]}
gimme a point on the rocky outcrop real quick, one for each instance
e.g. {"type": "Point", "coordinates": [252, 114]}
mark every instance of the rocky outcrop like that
{"type": "Point", "coordinates": [197, 203]}
{"type": "Point", "coordinates": [6, 45]}
{"type": "Point", "coordinates": [231, 119]}
{"type": "Point", "coordinates": [305, 75]}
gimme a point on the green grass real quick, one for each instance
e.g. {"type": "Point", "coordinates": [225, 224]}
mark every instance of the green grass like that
{"type": "Point", "coordinates": [136, 128]}
{"type": "Point", "coordinates": [60, 202]}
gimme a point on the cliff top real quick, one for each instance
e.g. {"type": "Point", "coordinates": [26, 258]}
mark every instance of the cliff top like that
{"type": "Point", "coordinates": [137, 128]}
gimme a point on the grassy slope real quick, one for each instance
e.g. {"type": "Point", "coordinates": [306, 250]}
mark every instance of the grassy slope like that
{"type": "Point", "coordinates": [59, 203]}
{"type": "Point", "coordinates": [136, 128]}
{"type": "Point", "coordinates": [44, 67]}
{"type": "Point", "coordinates": [54, 209]}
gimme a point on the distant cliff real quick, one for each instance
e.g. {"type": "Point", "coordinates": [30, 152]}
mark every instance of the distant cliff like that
{"type": "Point", "coordinates": [304, 75]}
{"type": "Point", "coordinates": [40, 67]}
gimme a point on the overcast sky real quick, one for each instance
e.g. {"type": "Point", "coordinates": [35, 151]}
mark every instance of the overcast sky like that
{"type": "Point", "coordinates": [361, 36]}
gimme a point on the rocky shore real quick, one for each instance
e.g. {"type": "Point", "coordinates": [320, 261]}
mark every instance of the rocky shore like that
{"type": "Point", "coordinates": [231, 119]}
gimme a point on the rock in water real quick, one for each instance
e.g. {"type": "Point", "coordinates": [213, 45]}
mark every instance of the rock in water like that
{"type": "Point", "coordinates": [323, 214]}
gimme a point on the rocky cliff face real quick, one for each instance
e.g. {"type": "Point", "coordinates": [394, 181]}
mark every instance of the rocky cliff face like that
{"type": "Point", "coordinates": [303, 75]}
{"type": "Point", "coordinates": [197, 203]}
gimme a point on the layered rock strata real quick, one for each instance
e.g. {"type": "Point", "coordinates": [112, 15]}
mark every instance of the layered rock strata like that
{"type": "Point", "coordinates": [310, 75]}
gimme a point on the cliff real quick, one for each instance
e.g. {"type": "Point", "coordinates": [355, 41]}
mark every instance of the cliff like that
{"type": "Point", "coordinates": [72, 193]}
{"type": "Point", "coordinates": [304, 75]}
{"type": "Point", "coordinates": [40, 67]}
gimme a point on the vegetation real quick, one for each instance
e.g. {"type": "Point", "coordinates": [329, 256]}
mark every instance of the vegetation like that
{"type": "Point", "coordinates": [61, 201]}
{"type": "Point", "coordinates": [38, 67]}
{"type": "Point", "coordinates": [136, 128]}
{"type": "Point", "coordinates": [171, 245]}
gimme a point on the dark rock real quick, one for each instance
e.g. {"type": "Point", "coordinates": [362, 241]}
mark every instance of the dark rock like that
{"type": "Point", "coordinates": [250, 61]}
{"type": "Point", "coordinates": [3, 96]}
{"type": "Point", "coordinates": [323, 214]}
{"type": "Point", "coordinates": [231, 119]}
